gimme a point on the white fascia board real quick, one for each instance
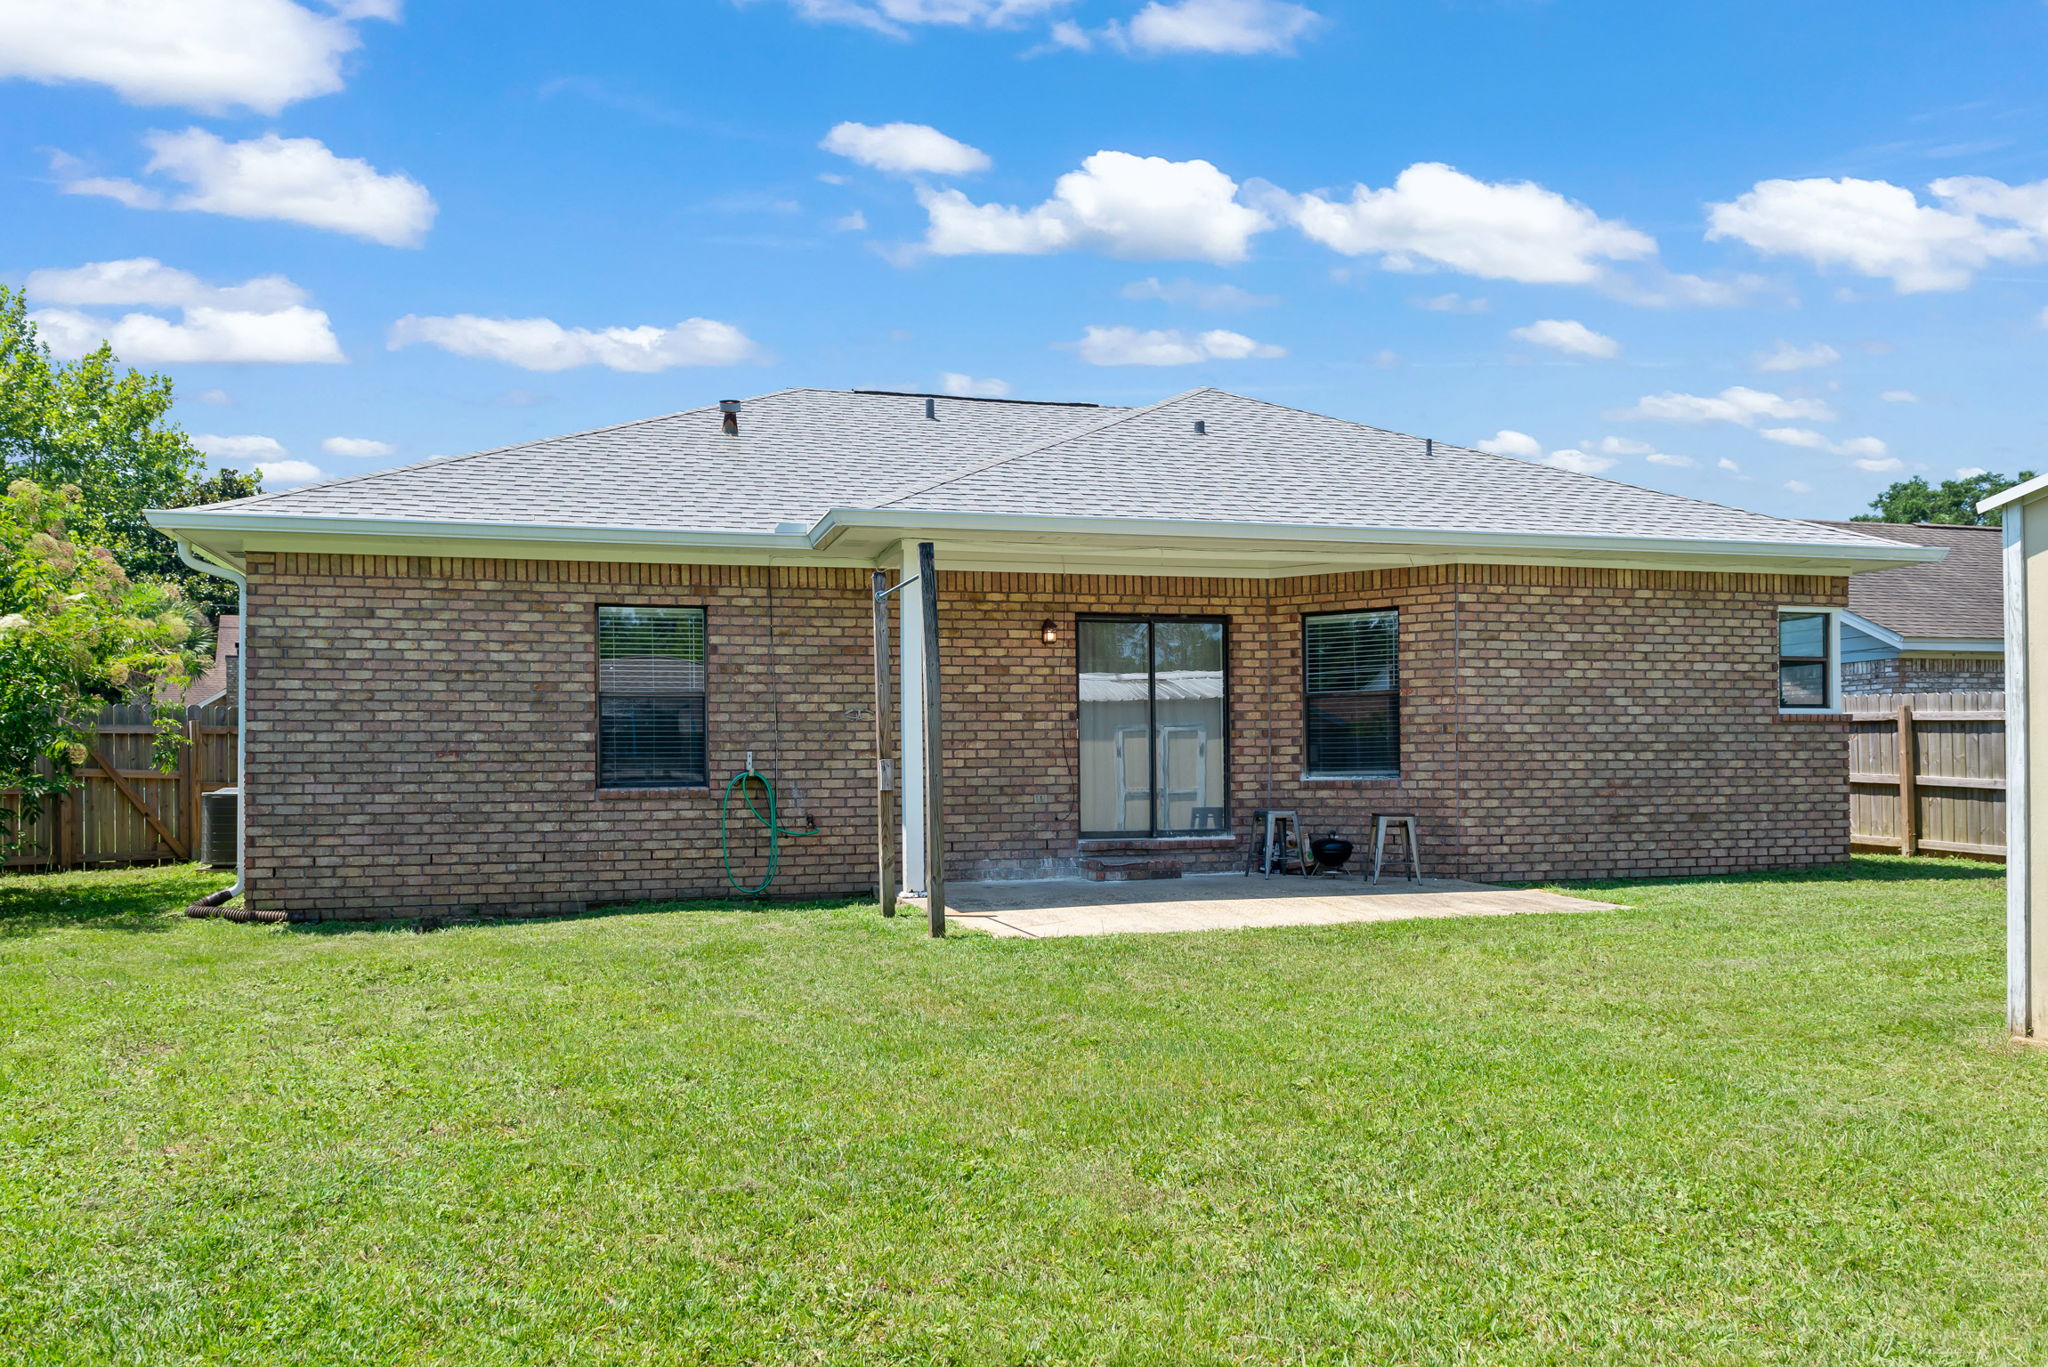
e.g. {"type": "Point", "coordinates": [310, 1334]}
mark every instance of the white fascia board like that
{"type": "Point", "coordinates": [211, 526]}
{"type": "Point", "coordinates": [1873, 630]}
{"type": "Point", "coordinates": [1954, 645]}
{"type": "Point", "coordinates": [1878, 555]}
{"type": "Point", "coordinates": [2014, 494]}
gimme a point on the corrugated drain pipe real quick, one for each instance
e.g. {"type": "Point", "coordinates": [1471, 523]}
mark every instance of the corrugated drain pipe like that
{"type": "Point", "coordinates": [209, 905]}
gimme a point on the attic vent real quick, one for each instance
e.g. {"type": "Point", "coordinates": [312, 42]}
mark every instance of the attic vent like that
{"type": "Point", "coordinates": [1201, 428]}
{"type": "Point", "coordinates": [730, 422]}
{"type": "Point", "coordinates": [931, 409]}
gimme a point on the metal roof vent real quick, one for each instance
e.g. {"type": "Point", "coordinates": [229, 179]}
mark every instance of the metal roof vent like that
{"type": "Point", "coordinates": [1201, 428]}
{"type": "Point", "coordinates": [931, 409]}
{"type": "Point", "coordinates": [730, 423]}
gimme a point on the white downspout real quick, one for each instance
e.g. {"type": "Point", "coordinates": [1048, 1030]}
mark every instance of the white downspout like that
{"type": "Point", "coordinates": [208, 565]}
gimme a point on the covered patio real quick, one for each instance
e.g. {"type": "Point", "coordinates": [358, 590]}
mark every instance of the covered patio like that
{"type": "Point", "coordinates": [1047, 908]}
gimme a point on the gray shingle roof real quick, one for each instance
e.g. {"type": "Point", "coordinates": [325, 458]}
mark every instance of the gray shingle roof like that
{"type": "Point", "coordinates": [802, 452]}
{"type": "Point", "coordinates": [1960, 598]}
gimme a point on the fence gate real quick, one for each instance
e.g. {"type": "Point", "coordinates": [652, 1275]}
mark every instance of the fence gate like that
{"type": "Point", "coordinates": [1927, 772]}
{"type": "Point", "coordinates": [125, 810]}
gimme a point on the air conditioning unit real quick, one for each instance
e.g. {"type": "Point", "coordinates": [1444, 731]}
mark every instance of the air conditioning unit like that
{"type": "Point", "coordinates": [217, 811]}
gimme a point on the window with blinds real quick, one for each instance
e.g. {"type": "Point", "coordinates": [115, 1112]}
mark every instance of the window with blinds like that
{"type": "Point", "coordinates": [1352, 682]}
{"type": "Point", "coordinates": [650, 698]}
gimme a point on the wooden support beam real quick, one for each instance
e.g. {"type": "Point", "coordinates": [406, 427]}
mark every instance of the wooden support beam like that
{"type": "Point", "coordinates": [1909, 800]}
{"type": "Point", "coordinates": [134, 798]}
{"type": "Point", "coordinates": [885, 864]}
{"type": "Point", "coordinates": [934, 793]}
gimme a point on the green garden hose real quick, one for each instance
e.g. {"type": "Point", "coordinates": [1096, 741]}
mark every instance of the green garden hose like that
{"type": "Point", "coordinates": [775, 829]}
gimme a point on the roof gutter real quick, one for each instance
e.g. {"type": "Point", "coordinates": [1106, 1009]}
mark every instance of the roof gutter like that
{"type": "Point", "coordinates": [206, 564]}
{"type": "Point", "coordinates": [841, 520]}
{"type": "Point", "coordinates": [186, 523]}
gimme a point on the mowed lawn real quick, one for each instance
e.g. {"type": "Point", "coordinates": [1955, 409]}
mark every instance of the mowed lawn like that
{"type": "Point", "coordinates": [1767, 1119]}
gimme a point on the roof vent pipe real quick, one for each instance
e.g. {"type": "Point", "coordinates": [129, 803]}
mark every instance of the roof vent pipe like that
{"type": "Point", "coordinates": [730, 423]}
{"type": "Point", "coordinates": [931, 409]}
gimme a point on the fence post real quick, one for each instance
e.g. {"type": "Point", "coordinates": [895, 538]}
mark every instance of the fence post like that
{"type": "Point", "coordinates": [188, 785]}
{"type": "Point", "coordinates": [1909, 798]}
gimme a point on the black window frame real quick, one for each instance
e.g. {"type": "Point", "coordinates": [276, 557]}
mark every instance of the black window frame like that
{"type": "Point", "coordinates": [1309, 769]}
{"type": "Point", "coordinates": [1828, 660]}
{"type": "Point", "coordinates": [698, 701]}
{"type": "Point", "coordinates": [1153, 831]}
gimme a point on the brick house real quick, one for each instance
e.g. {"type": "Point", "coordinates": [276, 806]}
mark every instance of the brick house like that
{"type": "Point", "coordinates": [1931, 628]}
{"type": "Point", "coordinates": [516, 682]}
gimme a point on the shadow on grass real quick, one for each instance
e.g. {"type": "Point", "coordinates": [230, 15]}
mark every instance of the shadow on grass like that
{"type": "Point", "coordinates": [145, 899]}
{"type": "Point", "coordinates": [421, 924]}
{"type": "Point", "coordinates": [1862, 868]}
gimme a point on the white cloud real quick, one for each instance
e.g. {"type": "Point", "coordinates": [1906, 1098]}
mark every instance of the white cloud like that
{"type": "Point", "coordinates": [1569, 336]}
{"type": "Point", "coordinates": [1236, 27]}
{"type": "Point", "coordinates": [1117, 204]}
{"type": "Point", "coordinates": [855, 222]}
{"type": "Point", "coordinates": [905, 149]}
{"type": "Point", "coordinates": [218, 397]}
{"type": "Point", "coordinates": [145, 280]}
{"type": "Point", "coordinates": [1625, 446]}
{"type": "Point", "coordinates": [1435, 215]}
{"type": "Point", "coordinates": [1665, 458]}
{"type": "Point", "coordinates": [1726, 464]}
{"type": "Point", "coordinates": [359, 448]}
{"type": "Point", "coordinates": [297, 180]}
{"type": "Point", "coordinates": [1881, 465]}
{"type": "Point", "coordinates": [244, 448]}
{"type": "Point", "coordinates": [1452, 303]}
{"type": "Point", "coordinates": [1899, 396]}
{"type": "Point", "coordinates": [543, 344]}
{"type": "Point", "coordinates": [284, 474]}
{"type": "Point", "coordinates": [896, 18]}
{"type": "Point", "coordinates": [1654, 287]}
{"type": "Point", "coordinates": [1882, 230]}
{"type": "Point", "coordinates": [1221, 298]}
{"type": "Point", "coordinates": [1579, 462]}
{"type": "Point", "coordinates": [1737, 404]}
{"type": "Point", "coordinates": [1784, 356]}
{"type": "Point", "coordinates": [289, 336]}
{"type": "Point", "coordinates": [211, 55]}
{"type": "Point", "coordinates": [1870, 448]}
{"type": "Point", "coordinates": [1798, 487]}
{"type": "Point", "coordinates": [1971, 471]}
{"type": "Point", "coordinates": [1508, 442]}
{"type": "Point", "coordinates": [1129, 346]}
{"type": "Point", "coordinates": [967, 387]}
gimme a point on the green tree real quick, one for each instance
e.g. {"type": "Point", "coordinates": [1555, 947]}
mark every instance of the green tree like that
{"type": "Point", "coordinates": [1952, 500]}
{"type": "Point", "coordinates": [76, 633]}
{"type": "Point", "coordinates": [105, 429]}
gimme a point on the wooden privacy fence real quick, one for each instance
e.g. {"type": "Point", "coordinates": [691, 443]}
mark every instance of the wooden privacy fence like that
{"type": "Point", "coordinates": [1927, 772]}
{"type": "Point", "coordinates": [125, 810]}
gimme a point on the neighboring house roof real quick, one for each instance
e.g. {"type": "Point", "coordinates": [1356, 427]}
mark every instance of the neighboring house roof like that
{"type": "Point", "coordinates": [809, 463]}
{"type": "Point", "coordinates": [213, 683]}
{"type": "Point", "coordinates": [1959, 598]}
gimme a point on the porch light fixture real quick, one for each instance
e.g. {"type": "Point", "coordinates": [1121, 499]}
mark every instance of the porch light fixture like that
{"type": "Point", "coordinates": [1048, 633]}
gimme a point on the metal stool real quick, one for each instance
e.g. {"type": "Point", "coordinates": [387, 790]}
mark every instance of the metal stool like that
{"type": "Point", "coordinates": [1381, 822]}
{"type": "Point", "coordinates": [1275, 827]}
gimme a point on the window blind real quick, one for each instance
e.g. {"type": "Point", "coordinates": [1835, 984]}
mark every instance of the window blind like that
{"type": "Point", "coordinates": [1351, 683]}
{"type": "Point", "coordinates": [650, 684]}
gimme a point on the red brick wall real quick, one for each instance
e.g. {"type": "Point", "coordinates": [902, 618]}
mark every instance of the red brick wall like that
{"type": "Point", "coordinates": [422, 731]}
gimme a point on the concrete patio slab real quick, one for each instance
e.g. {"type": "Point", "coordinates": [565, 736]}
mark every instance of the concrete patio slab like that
{"type": "Point", "coordinates": [1051, 907]}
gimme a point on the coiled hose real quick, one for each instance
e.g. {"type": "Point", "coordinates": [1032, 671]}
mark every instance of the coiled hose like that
{"type": "Point", "coordinates": [776, 830]}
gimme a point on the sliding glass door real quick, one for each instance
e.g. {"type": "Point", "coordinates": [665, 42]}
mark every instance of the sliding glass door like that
{"type": "Point", "coordinates": [1153, 726]}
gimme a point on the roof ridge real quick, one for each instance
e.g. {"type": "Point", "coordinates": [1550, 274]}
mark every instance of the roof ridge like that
{"type": "Point", "coordinates": [1116, 416]}
{"type": "Point", "coordinates": [475, 455]}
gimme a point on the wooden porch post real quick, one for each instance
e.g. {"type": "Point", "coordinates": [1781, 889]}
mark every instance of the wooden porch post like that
{"type": "Point", "coordinates": [1909, 797]}
{"type": "Point", "coordinates": [934, 804]}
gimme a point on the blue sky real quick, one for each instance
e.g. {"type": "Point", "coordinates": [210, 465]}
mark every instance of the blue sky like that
{"type": "Point", "coordinates": [1772, 255]}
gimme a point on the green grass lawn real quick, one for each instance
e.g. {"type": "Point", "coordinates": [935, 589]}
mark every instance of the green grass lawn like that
{"type": "Point", "coordinates": [1767, 1119]}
